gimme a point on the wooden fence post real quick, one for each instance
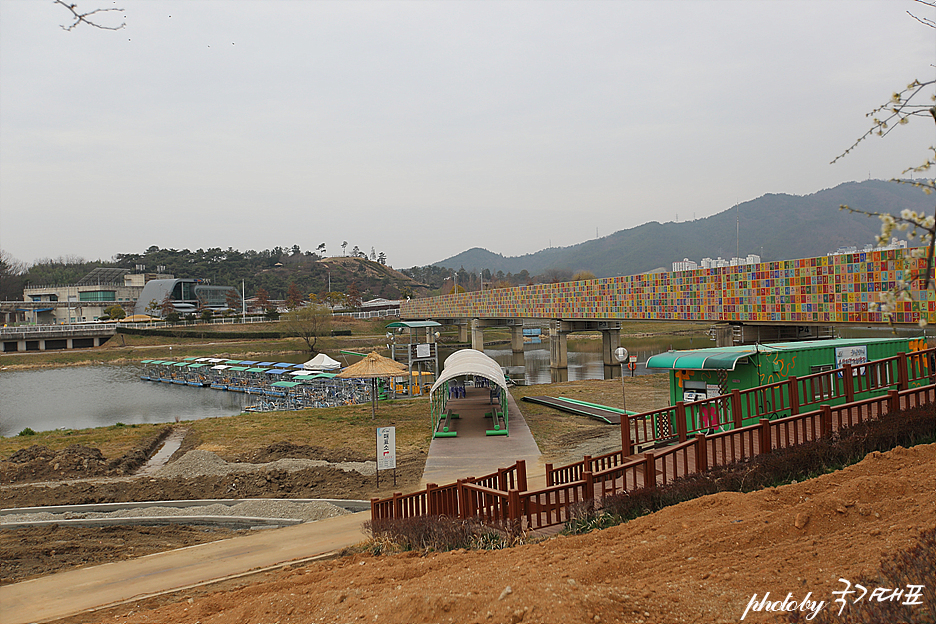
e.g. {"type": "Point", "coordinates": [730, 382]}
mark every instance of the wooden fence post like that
{"type": "Point", "coordinates": [893, 401]}
{"type": "Point", "coordinates": [701, 453]}
{"type": "Point", "coordinates": [502, 479]}
{"type": "Point", "coordinates": [521, 475]}
{"type": "Point", "coordinates": [373, 509]}
{"type": "Point", "coordinates": [549, 475]}
{"type": "Point", "coordinates": [793, 392]}
{"type": "Point", "coordinates": [627, 445]}
{"type": "Point", "coordinates": [766, 443]}
{"type": "Point", "coordinates": [589, 479]}
{"type": "Point", "coordinates": [513, 504]}
{"type": "Point", "coordinates": [432, 503]}
{"type": "Point", "coordinates": [903, 376]}
{"type": "Point", "coordinates": [848, 380]}
{"type": "Point", "coordinates": [649, 471]}
{"type": "Point", "coordinates": [825, 420]}
{"type": "Point", "coordinates": [681, 426]}
{"type": "Point", "coordinates": [462, 500]}
{"type": "Point", "coordinates": [586, 464]}
{"type": "Point", "coordinates": [736, 415]}
{"type": "Point", "coordinates": [398, 504]}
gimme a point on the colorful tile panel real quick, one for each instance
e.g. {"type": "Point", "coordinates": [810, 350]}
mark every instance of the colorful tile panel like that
{"type": "Point", "coordinates": [828, 289]}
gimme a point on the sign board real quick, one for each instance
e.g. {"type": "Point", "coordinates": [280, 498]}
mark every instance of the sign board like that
{"type": "Point", "coordinates": [633, 358]}
{"type": "Point", "coordinates": [422, 351]}
{"type": "Point", "coordinates": [851, 355]}
{"type": "Point", "coordinates": [386, 448]}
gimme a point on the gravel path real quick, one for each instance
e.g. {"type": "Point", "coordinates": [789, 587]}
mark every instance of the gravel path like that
{"type": "Point", "coordinates": [204, 463]}
{"type": "Point", "coordinates": [266, 508]}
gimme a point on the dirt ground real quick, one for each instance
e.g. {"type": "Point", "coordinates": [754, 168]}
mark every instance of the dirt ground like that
{"type": "Point", "coordinates": [29, 552]}
{"type": "Point", "coordinates": [700, 561]}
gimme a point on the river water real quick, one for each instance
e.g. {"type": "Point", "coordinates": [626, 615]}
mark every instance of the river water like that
{"type": "Point", "coordinates": [79, 397]}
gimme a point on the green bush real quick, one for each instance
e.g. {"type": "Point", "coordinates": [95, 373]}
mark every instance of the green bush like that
{"type": "Point", "coordinates": [26, 432]}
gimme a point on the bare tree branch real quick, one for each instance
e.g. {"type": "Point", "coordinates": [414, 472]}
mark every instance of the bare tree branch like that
{"type": "Point", "coordinates": [86, 18]}
{"type": "Point", "coordinates": [924, 20]}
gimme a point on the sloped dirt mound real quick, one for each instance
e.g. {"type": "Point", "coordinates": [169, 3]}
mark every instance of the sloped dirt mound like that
{"type": "Point", "coordinates": [700, 561]}
{"type": "Point", "coordinates": [40, 463]}
{"type": "Point", "coordinates": [288, 450]}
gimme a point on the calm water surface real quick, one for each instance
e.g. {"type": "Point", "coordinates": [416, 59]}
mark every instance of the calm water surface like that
{"type": "Point", "coordinates": [96, 396]}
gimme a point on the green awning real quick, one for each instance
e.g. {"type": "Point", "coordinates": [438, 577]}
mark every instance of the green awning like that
{"type": "Point", "coordinates": [701, 359]}
{"type": "Point", "coordinates": [238, 368]}
{"type": "Point", "coordinates": [181, 364]}
{"type": "Point", "coordinates": [285, 384]}
{"type": "Point", "coordinates": [256, 370]}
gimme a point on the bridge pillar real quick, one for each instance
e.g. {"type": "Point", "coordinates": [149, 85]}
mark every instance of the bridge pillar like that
{"type": "Point", "coordinates": [477, 335]}
{"type": "Point", "coordinates": [20, 345]}
{"type": "Point", "coordinates": [463, 330]}
{"type": "Point", "coordinates": [69, 343]}
{"type": "Point", "coordinates": [558, 347]}
{"type": "Point", "coordinates": [610, 340]}
{"type": "Point", "coordinates": [516, 338]}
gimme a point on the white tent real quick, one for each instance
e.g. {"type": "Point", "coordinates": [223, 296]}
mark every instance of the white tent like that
{"type": "Point", "coordinates": [321, 362]}
{"type": "Point", "coordinates": [470, 362]}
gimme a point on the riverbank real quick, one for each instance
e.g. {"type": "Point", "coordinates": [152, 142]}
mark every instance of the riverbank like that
{"type": "Point", "coordinates": [50, 468]}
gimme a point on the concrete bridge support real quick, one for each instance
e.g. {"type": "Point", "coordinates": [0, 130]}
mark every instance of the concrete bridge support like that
{"type": "Point", "coordinates": [477, 335]}
{"type": "Point", "coordinates": [463, 331]}
{"type": "Point", "coordinates": [558, 346]}
{"type": "Point", "coordinates": [558, 340]}
{"type": "Point", "coordinates": [516, 338]}
{"type": "Point", "coordinates": [610, 340]}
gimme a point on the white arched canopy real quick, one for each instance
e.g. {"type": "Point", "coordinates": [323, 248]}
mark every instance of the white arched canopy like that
{"type": "Point", "coordinates": [470, 362]}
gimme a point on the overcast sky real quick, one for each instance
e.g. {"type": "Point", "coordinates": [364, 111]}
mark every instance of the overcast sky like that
{"type": "Point", "coordinates": [422, 129]}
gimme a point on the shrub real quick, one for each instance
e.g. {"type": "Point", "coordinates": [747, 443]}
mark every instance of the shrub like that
{"type": "Point", "coordinates": [438, 533]}
{"type": "Point", "coordinates": [26, 432]}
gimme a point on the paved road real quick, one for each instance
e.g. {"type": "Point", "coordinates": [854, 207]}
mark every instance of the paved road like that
{"type": "Point", "coordinates": [474, 454]}
{"type": "Point", "coordinates": [67, 593]}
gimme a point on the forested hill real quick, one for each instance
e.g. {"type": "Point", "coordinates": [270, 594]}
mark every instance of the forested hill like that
{"type": "Point", "coordinates": [273, 270]}
{"type": "Point", "coordinates": [774, 226]}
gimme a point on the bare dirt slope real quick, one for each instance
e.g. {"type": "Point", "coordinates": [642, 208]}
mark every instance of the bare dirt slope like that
{"type": "Point", "coordinates": [700, 561]}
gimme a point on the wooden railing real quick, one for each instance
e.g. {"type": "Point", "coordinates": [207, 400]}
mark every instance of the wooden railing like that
{"type": "Point", "coordinates": [448, 500]}
{"type": "Point", "coordinates": [701, 435]}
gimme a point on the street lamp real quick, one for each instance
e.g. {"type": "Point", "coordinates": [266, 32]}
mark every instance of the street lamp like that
{"type": "Point", "coordinates": [620, 354]}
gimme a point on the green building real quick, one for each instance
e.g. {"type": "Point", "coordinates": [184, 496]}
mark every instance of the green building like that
{"type": "Point", "coordinates": [701, 374]}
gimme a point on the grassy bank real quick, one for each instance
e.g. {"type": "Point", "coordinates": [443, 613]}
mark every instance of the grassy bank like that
{"type": "Point", "coordinates": [351, 427]}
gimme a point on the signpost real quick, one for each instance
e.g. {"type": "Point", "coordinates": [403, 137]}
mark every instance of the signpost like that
{"type": "Point", "coordinates": [620, 354]}
{"type": "Point", "coordinates": [386, 451]}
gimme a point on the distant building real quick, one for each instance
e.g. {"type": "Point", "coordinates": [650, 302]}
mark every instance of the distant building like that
{"type": "Point", "coordinates": [185, 294]}
{"type": "Point", "coordinates": [87, 299]}
{"type": "Point", "coordinates": [685, 265]}
{"type": "Point", "coordinates": [894, 244]}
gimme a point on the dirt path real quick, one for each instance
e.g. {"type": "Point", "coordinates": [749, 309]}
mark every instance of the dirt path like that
{"type": "Point", "coordinates": [699, 561]}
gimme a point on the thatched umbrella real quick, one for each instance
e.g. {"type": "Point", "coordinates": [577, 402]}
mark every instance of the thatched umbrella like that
{"type": "Point", "coordinates": [372, 367]}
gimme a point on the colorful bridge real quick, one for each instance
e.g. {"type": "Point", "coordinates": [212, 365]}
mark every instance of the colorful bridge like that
{"type": "Point", "coordinates": [787, 295]}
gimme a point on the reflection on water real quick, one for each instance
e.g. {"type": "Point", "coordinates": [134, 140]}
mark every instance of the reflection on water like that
{"type": "Point", "coordinates": [95, 396]}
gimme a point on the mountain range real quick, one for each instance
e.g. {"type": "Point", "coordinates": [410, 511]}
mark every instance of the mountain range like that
{"type": "Point", "coordinates": [773, 226]}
